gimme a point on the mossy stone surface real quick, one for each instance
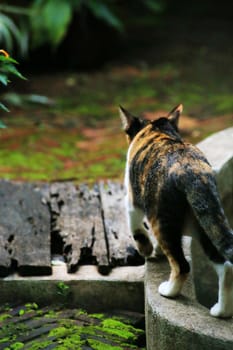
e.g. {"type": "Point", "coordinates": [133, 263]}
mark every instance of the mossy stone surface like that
{"type": "Point", "coordinates": [31, 327]}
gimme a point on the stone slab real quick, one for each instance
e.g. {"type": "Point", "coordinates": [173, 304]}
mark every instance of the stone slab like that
{"type": "Point", "coordinates": [123, 288]}
{"type": "Point", "coordinates": [181, 323]}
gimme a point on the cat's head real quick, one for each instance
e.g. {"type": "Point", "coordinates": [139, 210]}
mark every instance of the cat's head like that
{"type": "Point", "coordinates": [168, 125]}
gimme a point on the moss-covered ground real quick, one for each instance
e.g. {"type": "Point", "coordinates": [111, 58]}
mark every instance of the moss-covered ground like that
{"type": "Point", "coordinates": [31, 327]}
{"type": "Point", "coordinates": [77, 134]}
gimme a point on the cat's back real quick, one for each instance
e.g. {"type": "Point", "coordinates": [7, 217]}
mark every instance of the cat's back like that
{"type": "Point", "coordinates": [159, 160]}
{"type": "Point", "coordinates": [152, 150]}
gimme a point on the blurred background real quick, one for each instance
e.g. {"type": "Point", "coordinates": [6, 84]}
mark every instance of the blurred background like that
{"type": "Point", "coordinates": [82, 58]}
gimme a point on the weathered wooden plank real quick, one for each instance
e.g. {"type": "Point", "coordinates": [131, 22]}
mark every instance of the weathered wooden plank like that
{"type": "Point", "coordinates": [24, 230]}
{"type": "Point", "coordinates": [36, 333]}
{"type": "Point", "coordinates": [87, 226]}
{"type": "Point", "coordinates": [121, 246]}
{"type": "Point", "coordinates": [78, 221]}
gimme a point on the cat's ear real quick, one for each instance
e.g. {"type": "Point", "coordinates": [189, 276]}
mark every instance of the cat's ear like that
{"type": "Point", "coordinates": [126, 118]}
{"type": "Point", "coordinates": [174, 115]}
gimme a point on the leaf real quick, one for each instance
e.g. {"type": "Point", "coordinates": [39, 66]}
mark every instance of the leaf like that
{"type": "Point", "coordinates": [10, 68]}
{"type": "Point", "coordinates": [20, 100]}
{"type": "Point", "coordinates": [102, 11]}
{"type": "Point", "coordinates": [21, 312]}
{"type": "Point", "coordinates": [5, 36]}
{"type": "Point", "coordinates": [9, 32]}
{"type": "Point", "coordinates": [2, 125]}
{"type": "Point", "coordinates": [18, 10]}
{"type": "Point", "coordinates": [8, 59]}
{"type": "Point", "coordinates": [4, 108]}
{"type": "Point", "coordinates": [154, 5]}
{"type": "Point", "coordinates": [38, 99]}
{"type": "Point", "coordinates": [57, 16]}
{"type": "Point", "coordinates": [4, 79]}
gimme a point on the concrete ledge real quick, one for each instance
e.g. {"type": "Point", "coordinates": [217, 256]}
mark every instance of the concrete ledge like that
{"type": "Point", "coordinates": [123, 288]}
{"type": "Point", "coordinates": [182, 323]}
{"type": "Point", "coordinates": [218, 149]}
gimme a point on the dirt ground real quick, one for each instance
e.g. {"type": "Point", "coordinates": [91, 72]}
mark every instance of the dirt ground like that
{"type": "Point", "coordinates": [65, 125]}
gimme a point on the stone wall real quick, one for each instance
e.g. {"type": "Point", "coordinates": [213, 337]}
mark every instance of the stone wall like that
{"type": "Point", "coordinates": [218, 149]}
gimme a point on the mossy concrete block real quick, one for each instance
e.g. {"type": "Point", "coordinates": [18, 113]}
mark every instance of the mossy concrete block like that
{"type": "Point", "coordinates": [218, 149]}
{"type": "Point", "coordinates": [122, 289]}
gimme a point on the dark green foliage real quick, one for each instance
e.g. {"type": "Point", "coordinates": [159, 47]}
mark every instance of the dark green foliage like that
{"type": "Point", "coordinates": [13, 34]}
{"type": "Point", "coordinates": [48, 21]}
{"type": "Point", "coordinates": [7, 69]}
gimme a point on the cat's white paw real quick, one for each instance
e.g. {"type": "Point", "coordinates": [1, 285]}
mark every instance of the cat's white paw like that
{"type": "Point", "coordinates": [170, 289]}
{"type": "Point", "coordinates": [218, 311]}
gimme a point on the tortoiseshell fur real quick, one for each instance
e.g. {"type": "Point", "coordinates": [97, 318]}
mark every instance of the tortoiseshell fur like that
{"type": "Point", "coordinates": [167, 181]}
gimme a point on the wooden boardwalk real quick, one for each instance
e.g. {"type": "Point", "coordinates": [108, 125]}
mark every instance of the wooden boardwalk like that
{"type": "Point", "coordinates": [81, 224]}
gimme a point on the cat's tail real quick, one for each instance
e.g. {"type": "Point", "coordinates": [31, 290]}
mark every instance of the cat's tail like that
{"type": "Point", "coordinates": [204, 200]}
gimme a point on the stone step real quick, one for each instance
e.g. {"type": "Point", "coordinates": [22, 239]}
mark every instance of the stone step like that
{"type": "Point", "coordinates": [122, 288]}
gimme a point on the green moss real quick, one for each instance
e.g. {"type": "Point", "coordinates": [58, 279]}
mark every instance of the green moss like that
{"type": "Point", "coordinates": [63, 289]}
{"type": "Point", "coordinates": [70, 335]}
{"type": "Point", "coordinates": [67, 335]}
{"type": "Point", "coordinates": [31, 306]}
{"type": "Point", "coordinates": [116, 327]}
{"type": "Point", "coordinates": [72, 342]}
{"type": "Point", "coordinates": [98, 345]}
{"type": "Point", "coordinates": [4, 316]}
{"type": "Point", "coordinates": [38, 345]}
{"type": "Point", "coordinates": [10, 332]}
{"type": "Point", "coordinates": [98, 316]}
{"type": "Point", "coordinates": [51, 314]}
{"type": "Point", "coordinates": [80, 312]}
{"type": "Point", "coordinates": [5, 339]}
{"type": "Point", "coordinates": [16, 346]}
{"type": "Point", "coordinates": [59, 332]}
{"type": "Point", "coordinates": [28, 308]}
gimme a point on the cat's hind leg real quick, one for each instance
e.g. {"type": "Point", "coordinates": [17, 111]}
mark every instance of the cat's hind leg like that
{"type": "Point", "coordinates": [224, 269]}
{"type": "Point", "coordinates": [140, 233]}
{"type": "Point", "coordinates": [170, 242]}
{"type": "Point", "coordinates": [224, 306]}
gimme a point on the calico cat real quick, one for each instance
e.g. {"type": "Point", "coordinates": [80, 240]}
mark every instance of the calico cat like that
{"type": "Point", "coordinates": [169, 180]}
